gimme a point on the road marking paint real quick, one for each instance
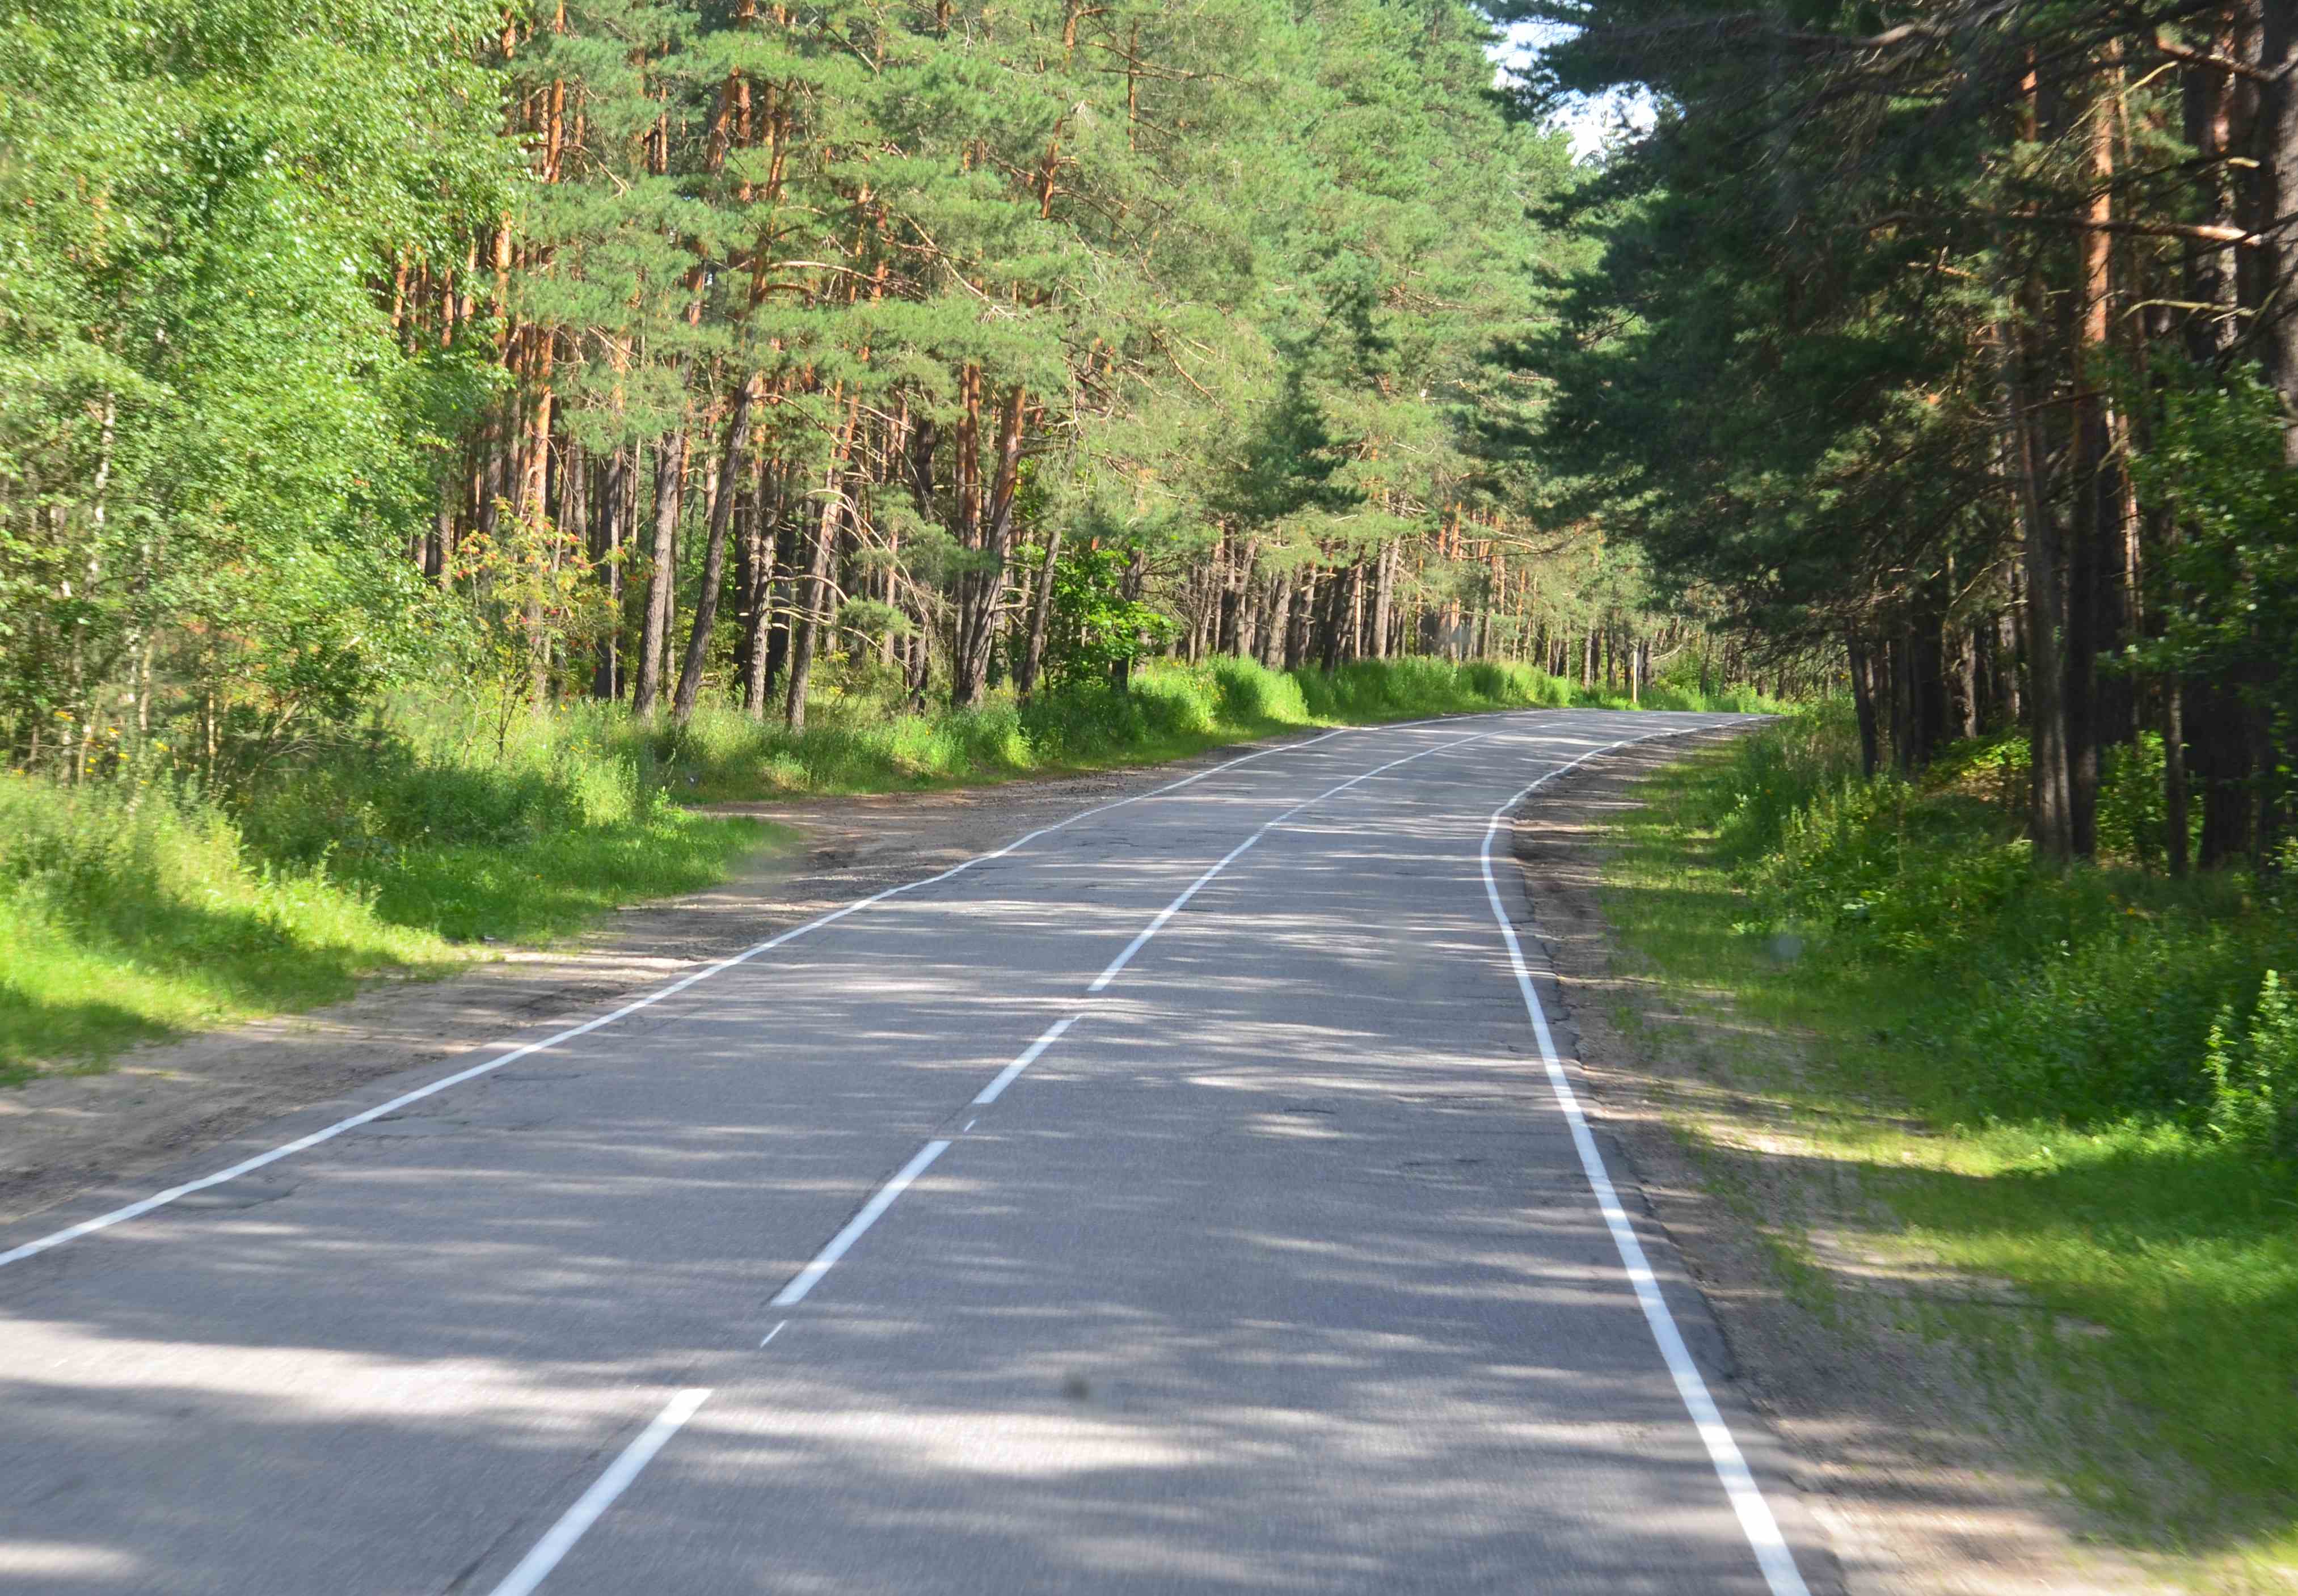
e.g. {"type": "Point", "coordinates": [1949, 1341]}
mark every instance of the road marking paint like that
{"type": "Point", "coordinates": [536, 1566]}
{"type": "Point", "coordinates": [775, 1332]}
{"type": "Point", "coordinates": [1747, 1498]}
{"type": "Point", "coordinates": [161, 1199]}
{"type": "Point", "coordinates": [969, 1126]}
{"type": "Point", "coordinates": [795, 1292]}
{"type": "Point", "coordinates": [1175, 908]}
{"type": "Point", "coordinates": [1005, 1077]}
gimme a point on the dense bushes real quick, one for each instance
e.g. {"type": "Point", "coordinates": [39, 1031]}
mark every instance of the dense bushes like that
{"type": "Point", "coordinates": [863, 734]}
{"type": "Point", "coordinates": [2252, 1063]}
{"type": "Point", "coordinates": [2072, 1088]}
{"type": "Point", "coordinates": [2087, 995]}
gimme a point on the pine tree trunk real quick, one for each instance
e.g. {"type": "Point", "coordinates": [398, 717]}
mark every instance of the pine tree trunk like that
{"type": "Point", "coordinates": [1301, 619]}
{"type": "Point", "coordinates": [1279, 620]}
{"type": "Point", "coordinates": [615, 483]}
{"type": "Point", "coordinates": [1041, 613]}
{"type": "Point", "coordinates": [765, 541]}
{"type": "Point", "coordinates": [1332, 623]}
{"type": "Point", "coordinates": [533, 482]}
{"type": "Point", "coordinates": [790, 543]}
{"type": "Point", "coordinates": [728, 487]}
{"type": "Point", "coordinates": [662, 575]}
{"type": "Point", "coordinates": [2218, 748]}
{"type": "Point", "coordinates": [1235, 597]}
{"type": "Point", "coordinates": [744, 540]}
{"type": "Point", "coordinates": [1383, 597]}
{"type": "Point", "coordinates": [439, 547]}
{"type": "Point", "coordinates": [1250, 603]}
{"type": "Point", "coordinates": [2275, 188]}
{"type": "Point", "coordinates": [1862, 701]}
{"type": "Point", "coordinates": [810, 603]}
{"type": "Point", "coordinates": [574, 520]}
{"type": "Point", "coordinates": [2010, 707]}
{"type": "Point", "coordinates": [2176, 823]}
{"type": "Point", "coordinates": [981, 592]}
{"type": "Point", "coordinates": [2052, 819]}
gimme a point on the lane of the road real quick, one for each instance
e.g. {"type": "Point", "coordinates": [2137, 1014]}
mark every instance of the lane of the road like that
{"type": "Point", "coordinates": [1183, 1200]}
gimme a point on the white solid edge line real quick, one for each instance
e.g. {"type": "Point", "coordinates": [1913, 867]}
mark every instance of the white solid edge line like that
{"type": "Point", "coordinates": [1029, 1056]}
{"type": "Point", "coordinates": [806, 1277]}
{"type": "Point", "coordinates": [144, 1205]}
{"type": "Point", "coordinates": [1747, 1498]}
{"type": "Point", "coordinates": [536, 1566]}
{"type": "Point", "coordinates": [1166, 913]}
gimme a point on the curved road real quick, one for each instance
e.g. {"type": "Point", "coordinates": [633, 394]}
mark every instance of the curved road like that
{"type": "Point", "coordinates": [1182, 1200]}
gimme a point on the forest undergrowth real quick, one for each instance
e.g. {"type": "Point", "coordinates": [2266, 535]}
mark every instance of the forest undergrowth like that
{"type": "Point", "coordinates": [143, 908]}
{"type": "Point", "coordinates": [2080, 1081]}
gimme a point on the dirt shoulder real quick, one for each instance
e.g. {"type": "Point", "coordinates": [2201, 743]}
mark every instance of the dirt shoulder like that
{"type": "Point", "coordinates": [1901, 1453]}
{"type": "Point", "coordinates": [63, 1135]}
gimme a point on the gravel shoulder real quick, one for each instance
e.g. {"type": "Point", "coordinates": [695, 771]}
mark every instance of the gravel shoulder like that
{"type": "Point", "coordinates": [1901, 1452]}
{"type": "Point", "coordinates": [64, 1135]}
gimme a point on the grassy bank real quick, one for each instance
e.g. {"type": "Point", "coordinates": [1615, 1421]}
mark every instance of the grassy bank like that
{"type": "Point", "coordinates": [861, 738]}
{"type": "Point", "coordinates": [2083, 1084]}
{"type": "Point", "coordinates": [135, 909]}
{"type": "Point", "coordinates": [132, 910]}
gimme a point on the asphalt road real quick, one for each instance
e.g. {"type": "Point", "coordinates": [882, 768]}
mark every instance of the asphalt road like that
{"type": "Point", "coordinates": [1283, 1264]}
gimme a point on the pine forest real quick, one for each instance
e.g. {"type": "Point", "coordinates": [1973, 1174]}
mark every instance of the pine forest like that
{"type": "Point", "coordinates": [661, 353]}
{"type": "Point", "coordinates": [469, 468]}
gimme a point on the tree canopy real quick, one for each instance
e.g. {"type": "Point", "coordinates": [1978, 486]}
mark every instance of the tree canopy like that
{"type": "Point", "coordinates": [1961, 334]}
{"type": "Point", "coordinates": [652, 348]}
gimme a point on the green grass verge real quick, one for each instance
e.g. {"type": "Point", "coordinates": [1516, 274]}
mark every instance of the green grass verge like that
{"type": "Point", "coordinates": [2019, 1065]}
{"type": "Point", "coordinates": [131, 915]}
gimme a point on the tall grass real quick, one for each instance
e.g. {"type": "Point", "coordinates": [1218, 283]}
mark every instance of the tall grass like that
{"type": "Point", "coordinates": [2103, 1062]}
{"type": "Point", "coordinates": [862, 737]}
{"type": "Point", "coordinates": [128, 913]}
{"type": "Point", "coordinates": [135, 910]}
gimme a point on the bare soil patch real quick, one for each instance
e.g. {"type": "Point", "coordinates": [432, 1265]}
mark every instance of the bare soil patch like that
{"type": "Point", "coordinates": [1901, 1454]}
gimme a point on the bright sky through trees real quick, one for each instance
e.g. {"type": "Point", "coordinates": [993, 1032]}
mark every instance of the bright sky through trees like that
{"type": "Point", "coordinates": [1590, 121]}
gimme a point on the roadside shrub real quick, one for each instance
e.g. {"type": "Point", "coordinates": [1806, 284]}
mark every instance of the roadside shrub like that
{"type": "Point", "coordinates": [1086, 720]}
{"type": "Point", "coordinates": [1781, 773]}
{"type": "Point", "coordinates": [2253, 1066]}
{"type": "Point", "coordinates": [2133, 817]}
{"type": "Point", "coordinates": [1250, 693]}
{"type": "Point", "coordinates": [1178, 703]}
{"type": "Point", "coordinates": [2113, 1024]}
{"type": "Point", "coordinates": [2086, 995]}
{"type": "Point", "coordinates": [1488, 679]}
{"type": "Point", "coordinates": [127, 910]}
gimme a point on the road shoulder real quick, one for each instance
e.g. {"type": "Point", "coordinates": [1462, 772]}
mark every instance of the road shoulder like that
{"type": "Point", "coordinates": [1898, 1452]}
